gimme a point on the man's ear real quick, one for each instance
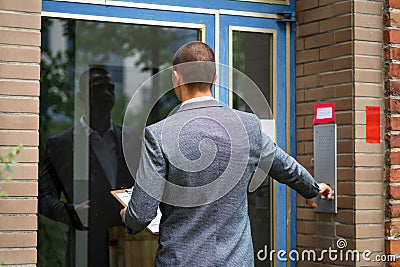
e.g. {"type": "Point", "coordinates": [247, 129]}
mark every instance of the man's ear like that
{"type": "Point", "coordinates": [176, 78]}
{"type": "Point", "coordinates": [215, 78]}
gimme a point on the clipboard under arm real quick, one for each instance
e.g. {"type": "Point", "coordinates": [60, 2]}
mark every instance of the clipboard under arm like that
{"type": "Point", "coordinates": [124, 195]}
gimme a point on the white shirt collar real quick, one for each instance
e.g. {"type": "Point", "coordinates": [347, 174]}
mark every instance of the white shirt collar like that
{"type": "Point", "coordinates": [197, 99]}
{"type": "Point", "coordinates": [89, 130]}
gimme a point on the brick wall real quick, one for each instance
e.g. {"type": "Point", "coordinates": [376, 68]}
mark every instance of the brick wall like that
{"type": "Point", "coordinates": [339, 59]}
{"type": "Point", "coordinates": [392, 90]}
{"type": "Point", "coordinates": [19, 123]}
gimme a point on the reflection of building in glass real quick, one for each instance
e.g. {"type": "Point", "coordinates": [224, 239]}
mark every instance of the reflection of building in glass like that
{"type": "Point", "coordinates": [130, 65]}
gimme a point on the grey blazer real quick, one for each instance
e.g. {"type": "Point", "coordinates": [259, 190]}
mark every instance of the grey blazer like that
{"type": "Point", "coordinates": [217, 233]}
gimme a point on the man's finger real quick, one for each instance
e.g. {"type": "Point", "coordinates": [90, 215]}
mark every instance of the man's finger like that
{"type": "Point", "coordinates": [311, 202]}
{"type": "Point", "coordinates": [326, 190]}
{"type": "Point", "coordinates": [122, 213]}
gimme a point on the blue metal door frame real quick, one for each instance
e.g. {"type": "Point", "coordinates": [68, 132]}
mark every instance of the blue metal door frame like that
{"type": "Point", "coordinates": [217, 16]}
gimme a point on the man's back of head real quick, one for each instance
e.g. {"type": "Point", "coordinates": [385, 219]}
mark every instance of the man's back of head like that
{"type": "Point", "coordinates": [192, 52]}
{"type": "Point", "coordinates": [195, 61]}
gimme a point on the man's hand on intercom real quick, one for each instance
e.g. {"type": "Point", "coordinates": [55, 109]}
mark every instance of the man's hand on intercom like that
{"type": "Point", "coordinates": [324, 190]}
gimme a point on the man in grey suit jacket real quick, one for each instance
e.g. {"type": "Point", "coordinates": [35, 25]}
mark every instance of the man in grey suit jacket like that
{"type": "Point", "coordinates": [184, 154]}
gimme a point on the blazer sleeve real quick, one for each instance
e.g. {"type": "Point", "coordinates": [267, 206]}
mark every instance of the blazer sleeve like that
{"type": "Point", "coordinates": [50, 203]}
{"type": "Point", "coordinates": [285, 169]}
{"type": "Point", "coordinates": [149, 185]}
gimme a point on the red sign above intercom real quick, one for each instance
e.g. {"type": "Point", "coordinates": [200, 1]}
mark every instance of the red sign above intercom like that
{"type": "Point", "coordinates": [324, 113]}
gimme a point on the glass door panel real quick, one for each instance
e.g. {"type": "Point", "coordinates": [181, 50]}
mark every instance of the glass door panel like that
{"type": "Point", "coordinates": [252, 54]}
{"type": "Point", "coordinates": [90, 69]}
{"type": "Point", "coordinates": [257, 47]}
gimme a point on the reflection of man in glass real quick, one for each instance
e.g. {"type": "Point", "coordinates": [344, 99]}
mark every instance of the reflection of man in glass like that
{"type": "Point", "coordinates": [75, 185]}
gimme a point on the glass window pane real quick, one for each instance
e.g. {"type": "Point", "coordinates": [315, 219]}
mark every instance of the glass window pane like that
{"type": "Point", "coordinates": [252, 55]}
{"type": "Point", "coordinates": [89, 72]}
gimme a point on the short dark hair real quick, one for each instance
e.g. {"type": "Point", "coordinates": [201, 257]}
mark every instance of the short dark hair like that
{"type": "Point", "coordinates": [201, 74]}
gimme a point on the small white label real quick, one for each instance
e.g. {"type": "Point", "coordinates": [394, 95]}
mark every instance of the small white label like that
{"type": "Point", "coordinates": [324, 113]}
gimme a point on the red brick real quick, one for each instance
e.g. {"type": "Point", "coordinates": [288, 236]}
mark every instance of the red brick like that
{"type": "Point", "coordinates": [394, 192]}
{"type": "Point", "coordinates": [392, 19]}
{"type": "Point", "coordinates": [392, 229]}
{"type": "Point", "coordinates": [393, 87]}
{"type": "Point", "coordinates": [394, 105]}
{"type": "Point", "coordinates": [394, 53]}
{"type": "Point", "coordinates": [393, 175]}
{"type": "Point", "coordinates": [392, 246]}
{"type": "Point", "coordinates": [394, 3]}
{"type": "Point", "coordinates": [386, 19]}
{"type": "Point", "coordinates": [393, 210]}
{"type": "Point", "coordinates": [391, 36]}
{"type": "Point", "coordinates": [394, 141]}
{"type": "Point", "coordinates": [394, 157]}
{"type": "Point", "coordinates": [394, 123]}
{"type": "Point", "coordinates": [394, 70]}
{"type": "Point", "coordinates": [394, 264]}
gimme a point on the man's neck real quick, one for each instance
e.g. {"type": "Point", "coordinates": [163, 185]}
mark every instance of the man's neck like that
{"type": "Point", "coordinates": [186, 97]}
{"type": "Point", "coordinates": [99, 123]}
